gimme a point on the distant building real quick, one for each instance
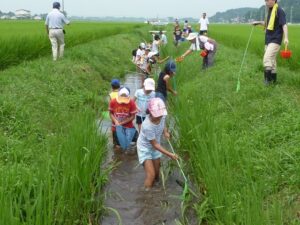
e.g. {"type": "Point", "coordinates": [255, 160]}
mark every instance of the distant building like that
{"type": "Point", "coordinates": [37, 18]}
{"type": "Point", "coordinates": [22, 14]}
{"type": "Point", "coordinates": [4, 17]}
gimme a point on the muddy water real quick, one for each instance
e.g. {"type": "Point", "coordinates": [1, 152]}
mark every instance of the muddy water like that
{"type": "Point", "coordinates": [125, 193]}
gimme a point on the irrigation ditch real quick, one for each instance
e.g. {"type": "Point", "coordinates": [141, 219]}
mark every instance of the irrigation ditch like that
{"type": "Point", "coordinates": [125, 200]}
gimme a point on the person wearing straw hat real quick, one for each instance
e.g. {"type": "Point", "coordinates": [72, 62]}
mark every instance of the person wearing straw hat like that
{"type": "Point", "coordinates": [148, 144]}
{"type": "Point", "coordinates": [54, 23]}
{"type": "Point", "coordinates": [204, 43]}
{"type": "Point", "coordinates": [122, 111]}
{"type": "Point", "coordinates": [142, 97]}
{"type": "Point", "coordinates": [276, 30]}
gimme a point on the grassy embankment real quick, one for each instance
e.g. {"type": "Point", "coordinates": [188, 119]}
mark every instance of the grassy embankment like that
{"type": "Point", "coordinates": [27, 40]}
{"type": "Point", "coordinates": [50, 152]}
{"type": "Point", "coordinates": [243, 147]}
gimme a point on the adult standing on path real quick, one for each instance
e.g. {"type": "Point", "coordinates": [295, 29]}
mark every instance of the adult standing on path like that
{"type": "Point", "coordinates": [203, 24]}
{"type": "Point", "coordinates": [276, 29]}
{"type": "Point", "coordinates": [55, 22]}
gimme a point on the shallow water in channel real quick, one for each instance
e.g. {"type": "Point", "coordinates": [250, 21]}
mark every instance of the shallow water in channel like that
{"type": "Point", "coordinates": [125, 192]}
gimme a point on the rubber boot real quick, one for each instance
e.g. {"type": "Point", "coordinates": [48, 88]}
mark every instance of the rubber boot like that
{"type": "Point", "coordinates": [274, 77]}
{"type": "Point", "coordinates": [268, 77]}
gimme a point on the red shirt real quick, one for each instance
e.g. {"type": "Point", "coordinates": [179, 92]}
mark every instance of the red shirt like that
{"type": "Point", "coordinates": [122, 112]}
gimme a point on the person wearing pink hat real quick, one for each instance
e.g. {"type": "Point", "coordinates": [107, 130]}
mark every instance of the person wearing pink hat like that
{"type": "Point", "coordinates": [142, 97]}
{"type": "Point", "coordinates": [148, 145]}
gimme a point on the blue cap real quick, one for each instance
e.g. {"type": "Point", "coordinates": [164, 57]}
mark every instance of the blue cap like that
{"type": "Point", "coordinates": [56, 5]}
{"type": "Point", "coordinates": [171, 66]}
{"type": "Point", "coordinates": [115, 82]}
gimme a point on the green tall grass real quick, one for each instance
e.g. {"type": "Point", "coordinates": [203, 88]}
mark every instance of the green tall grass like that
{"type": "Point", "coordinates": [50, 151]}
{"type": "Point", "coordinates": [26, 40]}
{"type": "Point", "coordinates": [243, 147]}
{"type": "Point", "coordinates": [236, 36]}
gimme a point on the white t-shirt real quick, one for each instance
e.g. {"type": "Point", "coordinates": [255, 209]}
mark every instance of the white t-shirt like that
{"type": "Point", "coordinates": [203, 23]}
{"type": "Point", "coordinates": [149, 132]}
{"type": "Point", "coordinates": [164, 39]}
{"type": "Point", "coordinates": [155, 46]}
{"type": "Point", "coordinates": [142, 101]}
{"type": "Point", "coordinates": [139, 56]}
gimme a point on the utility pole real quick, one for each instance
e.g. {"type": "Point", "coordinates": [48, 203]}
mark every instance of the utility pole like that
{"type": "Point", "coordinates": [63, 5]}
{"type": "Point", "coordinates": [291, 16]}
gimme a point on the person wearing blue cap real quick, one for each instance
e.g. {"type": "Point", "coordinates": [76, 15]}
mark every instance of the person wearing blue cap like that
{"type": "Point", "coordinates": [54, 23]}
{"type": "Point", "coordinates": [164, 81]}
{"type": "Point", "coordinates": [115, 86]}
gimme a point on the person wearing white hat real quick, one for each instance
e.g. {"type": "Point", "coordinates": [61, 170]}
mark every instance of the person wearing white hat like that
{"type": "Point", "coordinates": [204, 43]}
{"type": "Point", "coordinates": [142, 97]}
{"type": "Point", "coordinates": [122, 111]}
{"type": "Point", "coordinates": [148, 144]}
{"type": "Point", "coordinates": [140, 53]}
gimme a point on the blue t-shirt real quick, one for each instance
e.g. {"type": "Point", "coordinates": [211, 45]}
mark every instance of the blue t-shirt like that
{"type": "Point", "coordinates": [275, 36]}
{"type": "Point", "coordinates": [142, 101]}
{"type": "Point", "coordinates": [149, 132]}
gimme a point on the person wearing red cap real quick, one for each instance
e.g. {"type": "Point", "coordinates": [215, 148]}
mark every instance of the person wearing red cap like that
{"type": "Point", "coordinates": [148, 145]}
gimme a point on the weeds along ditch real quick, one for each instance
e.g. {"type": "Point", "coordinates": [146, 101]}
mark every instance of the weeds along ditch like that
{"type": "Point", "coordinates": [242, 148]}
{"type": "Point", "coordinates": [50, 152]}
{"type": "Point", "coordinates": [27, 40]}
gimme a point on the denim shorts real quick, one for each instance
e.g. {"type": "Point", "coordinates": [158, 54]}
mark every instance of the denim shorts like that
{"type": "Point", "coordinates": [147, 154]}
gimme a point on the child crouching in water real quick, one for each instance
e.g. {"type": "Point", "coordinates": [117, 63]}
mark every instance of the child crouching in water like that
{"type": "Point", "coordinates": [148, 145]}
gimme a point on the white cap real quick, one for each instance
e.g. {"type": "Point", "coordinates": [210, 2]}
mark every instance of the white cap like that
{"type": "Point", "coordinates": [123, 96]}
{"type": "Point", "coordinates": [192, 36]}
{"type": "Point", "coordinates": [143, 45]}
{"type": "Point", "coordinates": [149, 84]}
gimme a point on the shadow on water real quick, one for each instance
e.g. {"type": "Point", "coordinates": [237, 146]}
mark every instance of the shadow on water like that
{"type": "Point", "coordinates": [125, 193]}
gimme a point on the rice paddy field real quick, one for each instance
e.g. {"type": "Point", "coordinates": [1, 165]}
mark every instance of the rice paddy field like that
{"type": "Point", "coordinates": [243, 148]}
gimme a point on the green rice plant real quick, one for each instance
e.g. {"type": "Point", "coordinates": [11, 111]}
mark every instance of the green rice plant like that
{"type": "Point", "coordinates": [27, 40]}
{"type": "Point", "coordinates": [236, 36]}
{"type": "Point", "coordinates": [50, 149]}
{"type": "Point", "coordinates": [241, 147]}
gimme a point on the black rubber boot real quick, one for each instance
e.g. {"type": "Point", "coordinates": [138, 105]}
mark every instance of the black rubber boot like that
{"type": "Point", "coordinates": [274, 77]}
{"type": "Point", "coordinates": [268, 77]}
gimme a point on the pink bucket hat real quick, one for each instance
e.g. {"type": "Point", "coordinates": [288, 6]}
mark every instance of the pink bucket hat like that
{"type": "Point", "coordinates": [157, 107]}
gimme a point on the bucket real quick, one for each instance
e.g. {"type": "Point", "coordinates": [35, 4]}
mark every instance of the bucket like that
{"type": "Point", "coordinates": [203, 53]}
{"type": "Point", "coordinates": [286, 54]}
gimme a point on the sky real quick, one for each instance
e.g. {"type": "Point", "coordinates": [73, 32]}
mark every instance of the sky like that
{"type": "Point", "coordinates": [132, 8]}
